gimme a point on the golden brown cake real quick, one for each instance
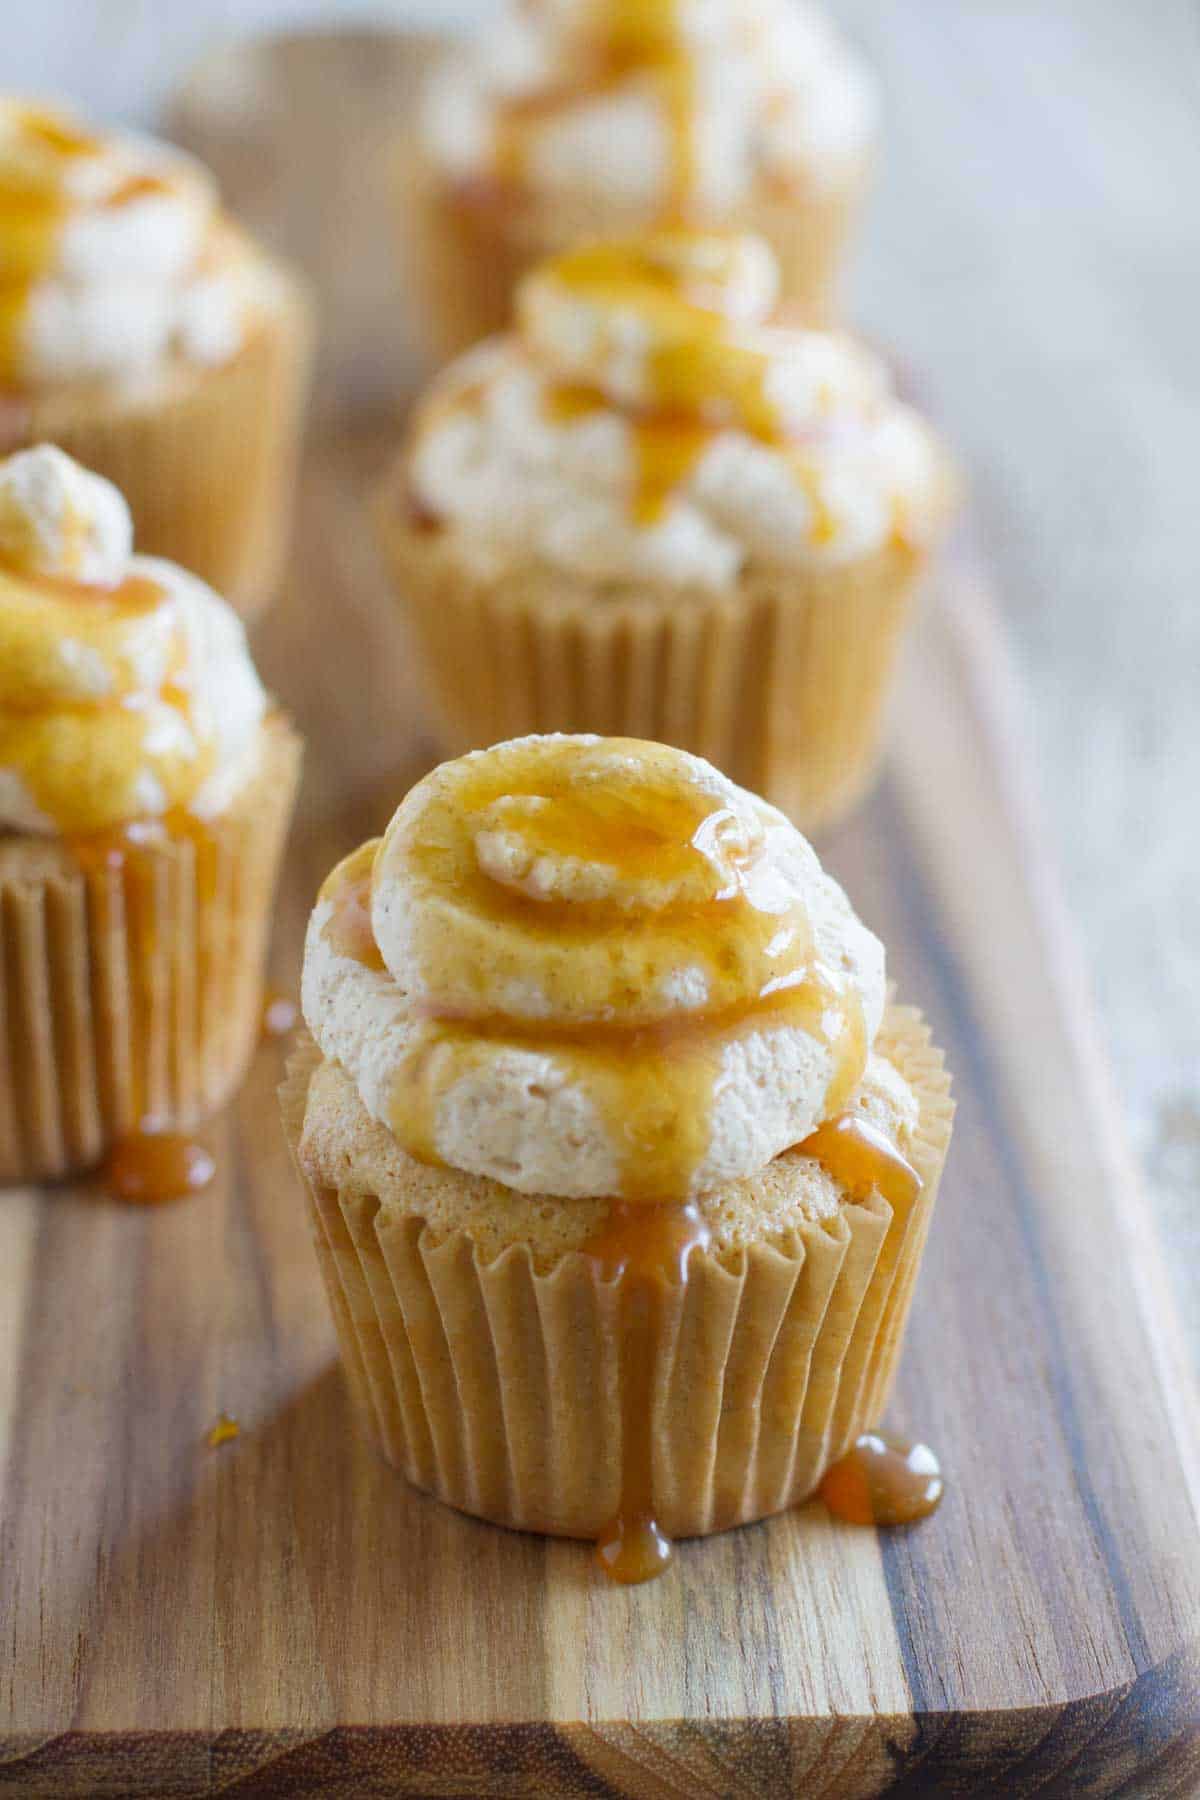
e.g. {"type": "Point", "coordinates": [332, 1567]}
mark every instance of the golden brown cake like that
{"type": "Point", "coordinates": [146, 335]}
{"type": "Point", "coordinates": [146, 784]}
{"type": "Point", "coordinates": [611, 117]}
{"type": "Point", "coordinates": [655, 510]}
{"type": "Point", "coordinates": [619, 1162]}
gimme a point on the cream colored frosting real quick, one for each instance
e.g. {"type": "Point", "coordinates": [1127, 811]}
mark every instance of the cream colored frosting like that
{"type": "Point", "coordinates": [112, 254]}
{"type": "Point", "coordinates": [654, 104]}
{"type": "Point", "coordinates": [126, 685]}
{"type": "Point", "coordinates": [600, 964]}
{"type": "Point", "coordinates": [650, 420]}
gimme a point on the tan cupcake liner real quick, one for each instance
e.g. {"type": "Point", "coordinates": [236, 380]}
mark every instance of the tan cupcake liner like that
{"type": "Point", "coordinates": [780, 683]}
{"type": "Point", "coordinates": [206, 457]}
{"type": "Point", "coordinates": [130, 987]}
{"type": "Point", "coordinates": [501, 1390]}
{"type": "Point", "coordinates": [464, 249]}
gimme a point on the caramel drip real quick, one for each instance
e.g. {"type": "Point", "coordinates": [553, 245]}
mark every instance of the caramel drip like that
{"type": "Point", "coordinates": [31, 221]}
{"type": "Point", "coordinates": [696, 365]}
{"type": "Point", "coordinates": [152, 1167]}
{"type": "Point", "coordinates": [652, 1084]}
{"type": "Point", "coordinates": [668, 450]}
{"type": "Point", "coordinates": [648, 1248]}
{"type": "Point", "coordinates": [863, 1160]}
{"type": "Point", "coordinates": [79, 752]}
{"type": "Point", "coordinates": [883, 1480]}
{"type": "Point", "coordinates": [30, 226]}
{"type": "Point", "coordinates": [32, 218]}
{"type": "Point", "coordinates": [621, 41]}
{"type": "Point", "coordinates": [667, 446]}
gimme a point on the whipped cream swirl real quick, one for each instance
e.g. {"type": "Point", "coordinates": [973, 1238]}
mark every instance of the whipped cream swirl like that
{"type": "Point", "coordinates": [126, 685]}
{"type": "Point", "coordinates": [113, 254]}
{"type": "Point", "coordinates": [683, 105]}
{"type": "Point", "coordinates": [651, 420]}
{"type": "Point", "coordinates": [592, 967]}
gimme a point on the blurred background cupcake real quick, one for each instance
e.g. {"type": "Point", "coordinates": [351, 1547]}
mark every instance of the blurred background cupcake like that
{"type": "Point", "coordinates": [652, 510]}
{"type": "Point", "coordinates": [146, 784]}
{"type": "Point", "coordinates": [576, 118]}
{"type": "Point", "coordinates": [145, 334]}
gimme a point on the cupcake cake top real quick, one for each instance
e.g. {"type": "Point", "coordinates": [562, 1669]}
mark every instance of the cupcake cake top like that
{"type": "Point", "coordinates": [650, 418]}
{"type": "Point", "coordinates": [659, 107]}
{"type": "Point", "coordinates": [590, 967]}
{"type": "Point", "coordinates": [113, 254]}
{"type": "Point", "coordinates": [126, 686]}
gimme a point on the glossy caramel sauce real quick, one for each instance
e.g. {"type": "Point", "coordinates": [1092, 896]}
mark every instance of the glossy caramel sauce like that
{"type": "Point", "coordinates": [701, 376]}
{"type": "Point", "coordinates": [619, 41]}
{"type": "Point", "coordinates": [31, 218]}
{"type": "Point", "coordinates": [697, 364]}
{"type": "Point", "coordinates": [152, 1167]}
{"type": "Point", "coordinates": [81, 747]}
{"type": "Point", "coordinates": [863, 1160]}
{"type": "Point", "coordinates": [883, 1480]}
{"type": "Point", "coordinates": [647, 1247]}
{"type": "Point", "coordinates": [34, 208]}
{"type": "Point", "coordinates": [667, 446]}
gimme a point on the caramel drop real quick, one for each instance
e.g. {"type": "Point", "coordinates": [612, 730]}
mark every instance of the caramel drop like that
{"type": "Point", "coordinates": [883, 1480]}
{"type": "Point", "coordinates": [153, 1166]}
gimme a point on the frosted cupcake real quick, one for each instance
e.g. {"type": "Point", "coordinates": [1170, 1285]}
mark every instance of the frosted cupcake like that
{"type": "Point", "coordinates": [582, 118]}
{"type": "Point", "coordinates": [653, 510]}
{"type": "Point", "coordinates": [619, 1162]}
{"type": "Point", "coordinates": [141, 331]}
{"type": "Point", "coordinates": [145, 789]}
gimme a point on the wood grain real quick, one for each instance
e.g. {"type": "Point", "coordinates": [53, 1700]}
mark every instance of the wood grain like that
{"type": "Point", "coordinates": [283, 1616]}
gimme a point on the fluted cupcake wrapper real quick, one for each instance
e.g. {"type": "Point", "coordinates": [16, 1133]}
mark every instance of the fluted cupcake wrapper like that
{"type": "Point", "coordinates": [465, 247]}
{"type": "Point", "coordinates": [500, 1387]}
{"type": "Point", "coordinates": [781, 683]}
{"type": "Point", "coordinates": [205, 456]}
{"type": "Point", "coordinates": [131, 983]}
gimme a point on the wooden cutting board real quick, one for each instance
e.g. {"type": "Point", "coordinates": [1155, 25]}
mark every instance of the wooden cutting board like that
{"type": "Point", "coordinates": [281, 1615]}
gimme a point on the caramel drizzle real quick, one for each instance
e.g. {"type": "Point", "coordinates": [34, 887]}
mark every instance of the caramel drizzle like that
{"type": "Point", "coordinates": [701, 378]}
{"type": "Point", "coordinates": [652, 1080]}
{"type": "Point", "coordinates": [92, 614]}
{"type": "Point", "coordinates": [32, 219]}
{"type": "Point", "coordinates": [623, 39]}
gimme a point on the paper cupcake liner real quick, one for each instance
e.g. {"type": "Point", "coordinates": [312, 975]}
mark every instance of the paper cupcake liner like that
{"type": "Point", "coordinates": [206, 457]}
{"type": "Point", "coordinates": [501, 1389]}
{"type": "Point", "coordinates": [465, 248]}
{"type": "Point", "coordinates": [130, 985]}
{"type": "Point", "coordinates": [781, 682]}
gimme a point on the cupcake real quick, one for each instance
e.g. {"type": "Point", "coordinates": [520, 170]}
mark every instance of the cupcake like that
{"type": "Point", "coordinates": [588, 118]}
{"type": "Point", "coordinates": [618, 1159]}
{"type": "Point", "coordinates": [657, 511]}
{"type": "Point", "coordinates": [141, 331]}
{"type": "Point", "coordinates": [146, 784]}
